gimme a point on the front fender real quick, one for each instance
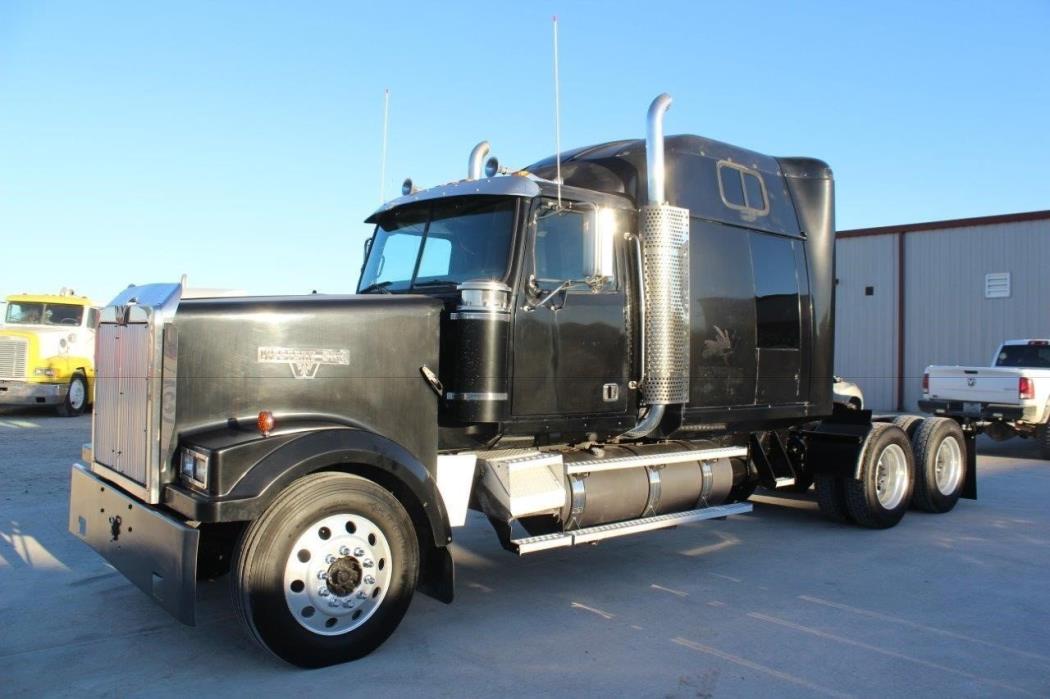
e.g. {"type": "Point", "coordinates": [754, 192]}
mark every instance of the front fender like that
{"type": "Point", "coordinates": [264, 471]}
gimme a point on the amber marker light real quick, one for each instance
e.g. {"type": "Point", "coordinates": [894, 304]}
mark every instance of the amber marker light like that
{"type": "Point", "coordinates": [265, 422]}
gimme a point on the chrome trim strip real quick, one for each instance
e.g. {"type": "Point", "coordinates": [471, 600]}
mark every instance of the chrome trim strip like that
{"type": "Point", "coordinates": [480, 315]}
{"type": "Point", "coordinates": [475, 396]}
{"type": "Point", "coordinates": [654, 459]}
{"type": "Point", "coordinates": [634, 526]}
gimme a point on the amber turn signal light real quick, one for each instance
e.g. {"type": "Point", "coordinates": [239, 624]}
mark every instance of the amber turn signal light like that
{"type": "Point", "coordinates": [265, 422]}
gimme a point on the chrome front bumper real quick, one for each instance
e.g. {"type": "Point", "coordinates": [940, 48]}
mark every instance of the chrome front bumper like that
{"type": "Point", "coordinates": [152, 549]}
{"type": "Point", "coordinates": [27, 393]}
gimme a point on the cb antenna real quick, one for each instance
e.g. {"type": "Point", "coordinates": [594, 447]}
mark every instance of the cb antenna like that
{"type": "Point", "coordinates": [382, 164]}
{"type": "Point", "coordinates": [557, 114]}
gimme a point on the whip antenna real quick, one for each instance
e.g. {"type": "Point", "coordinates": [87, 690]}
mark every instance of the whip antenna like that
{"type": "Point", "coordinates": [557, 112]}
{"type": "Point", "coordinates": [382, 164]}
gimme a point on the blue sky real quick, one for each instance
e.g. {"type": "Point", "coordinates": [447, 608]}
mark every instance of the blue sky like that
{"type": "Point", "coordinates": [240, 142]}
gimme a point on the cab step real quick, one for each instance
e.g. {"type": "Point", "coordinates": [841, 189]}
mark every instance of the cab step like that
{"type": "Point", "coordinates": [543, 542]}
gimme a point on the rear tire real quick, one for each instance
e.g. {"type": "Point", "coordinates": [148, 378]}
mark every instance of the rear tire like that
{"type": "Point", "coordinates": [327, 572]}
{"type": "Point", "coordinates": [908, 423]}
{"type": "Point", "coordinates": [882, 494]}
{"type": "Point", "coordinates": [831, 498]}
{"type": "Point", "coordinates": [940, 465]}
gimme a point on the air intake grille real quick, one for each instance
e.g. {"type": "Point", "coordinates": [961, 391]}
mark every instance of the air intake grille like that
{"type": "Point", "coordinates": [122, 364]}
{"type": "Point", "coordinates": [665, 246]}
{"type": "Point", "coordinates": [12, 358]}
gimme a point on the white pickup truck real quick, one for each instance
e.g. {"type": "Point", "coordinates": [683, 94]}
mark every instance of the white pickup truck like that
{"type": "Point", "coordinates": [1009, 398]}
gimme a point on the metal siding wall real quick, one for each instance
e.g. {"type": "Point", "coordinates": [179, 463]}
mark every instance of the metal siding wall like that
{"type": "Point", "coordinates": [947, 318]}
{"type": "Point", "coordinates": [866, 326]}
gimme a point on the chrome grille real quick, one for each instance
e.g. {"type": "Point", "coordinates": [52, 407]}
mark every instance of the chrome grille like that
{"type": "Point", "coordinates": [122, 421]}
{"type": "Point", "coordinates": [13, 358]}
{"type": "Point", "coordinates": [665, 251]}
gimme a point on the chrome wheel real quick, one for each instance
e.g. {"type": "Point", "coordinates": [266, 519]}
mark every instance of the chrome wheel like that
{"type": "Point", "coordinates": [337, 574]}
{"type": "Point", "coordinates": [948, 468]}
{"type": "Point", "coordinates": [891, 478]}
{"type": "Point", "coordinates": [77, 394]}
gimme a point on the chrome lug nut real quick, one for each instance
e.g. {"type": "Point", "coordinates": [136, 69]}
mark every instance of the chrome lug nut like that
{"type": "Point", "coordinates": [369, 580]}
{"type": "Point", "coordinates": [349, 604]}
{"type": "Point", "coordinates": [322, 575]}
{"type": "Point", "coordinates": [329, 559]}
{"type": "Point", "coordinates": [362, 594]}
{"type": "Point", "coordinates": [344, 551]}
{"type": "Point", "coordinates": [368, 563]}
{"type": "Point", "coordinates": [359, 552]}
{"type": "Point", "coordinates": [323, 591]}
{"type": "Point", "coordinates": [333, 603]}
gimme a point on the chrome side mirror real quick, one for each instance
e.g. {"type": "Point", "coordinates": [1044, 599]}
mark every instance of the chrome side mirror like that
{"type": "Point", "coordinates": [600, 262]}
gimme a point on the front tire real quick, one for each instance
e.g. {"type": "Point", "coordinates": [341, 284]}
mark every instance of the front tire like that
{"type": "Point", "coordinates": [76, 397]}
{"type": "Point", "coordinates": [940, 464]}
{"type": "Point", "coordinates": [882, 494]}
{"type": "Point", "coordinates": [327, 572]}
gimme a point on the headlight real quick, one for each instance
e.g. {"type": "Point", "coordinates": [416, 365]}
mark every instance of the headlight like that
{"type": "Point", "coordinates": [194, 466]}
{"type": "Point", "coordinates": [42, 371]}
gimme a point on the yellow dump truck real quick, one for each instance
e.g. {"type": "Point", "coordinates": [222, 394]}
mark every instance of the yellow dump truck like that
{"type": "Point", "coordinates": [47, 350]}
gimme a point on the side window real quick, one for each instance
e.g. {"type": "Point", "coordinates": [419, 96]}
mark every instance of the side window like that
{"type": "Point", "coordinates": [92, 319]}
{"type": "Point", "coordinates": [776, 292]}
{"type": "Point", "coordinates": [563, 243]}
{"type": "Point", "coordinates": [742, 189]}
{"type": "Point", "coordinates": [732, 190]}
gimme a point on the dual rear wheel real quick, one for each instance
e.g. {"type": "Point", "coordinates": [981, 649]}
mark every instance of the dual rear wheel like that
{"type": "Point", "coordinates": [927, 471]}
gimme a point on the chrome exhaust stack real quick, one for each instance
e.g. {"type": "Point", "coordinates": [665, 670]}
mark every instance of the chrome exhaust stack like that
{"type": "Point", "coordinates": [664, 233]}
{"type": "Point", "coordinates": [476, 163]}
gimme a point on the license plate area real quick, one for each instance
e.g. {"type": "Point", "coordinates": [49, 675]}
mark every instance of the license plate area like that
{"type": "Point", "coordinates": [972, 409]}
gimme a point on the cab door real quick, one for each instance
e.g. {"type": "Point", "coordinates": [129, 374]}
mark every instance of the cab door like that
{"type": "Point", "coordinates": [570, 338]}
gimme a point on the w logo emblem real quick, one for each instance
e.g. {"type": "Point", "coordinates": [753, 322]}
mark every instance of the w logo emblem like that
{"type": "Point", "coordinates": [304, 363]}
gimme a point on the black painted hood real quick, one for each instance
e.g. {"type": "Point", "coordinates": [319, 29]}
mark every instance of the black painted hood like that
{"type": "Point", "coordinates": [352, 360]}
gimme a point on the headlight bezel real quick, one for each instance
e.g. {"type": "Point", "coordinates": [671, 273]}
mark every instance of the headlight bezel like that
{"type": "Point", "coordinates": [193, 466]}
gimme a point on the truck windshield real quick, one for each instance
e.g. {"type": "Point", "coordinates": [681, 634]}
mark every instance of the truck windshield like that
{"type": "Point", "coordinates": [1030, 356]}
{"type": "Point", "coordinates": [439, 243]}
{"type": "Point", "coordinates": [19, 313]}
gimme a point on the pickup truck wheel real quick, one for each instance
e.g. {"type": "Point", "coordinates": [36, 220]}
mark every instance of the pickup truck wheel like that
{"type": "Point", "coordinates": [940, 464]}
{"type": "Point", "coordinates": [908, 423]}
{"type": "Point", "coordinates": [1043, 435]}
{"type": "Point", "coordinates": [880, 497]}
{"type": "Point", "coordinates": [831, 498]}
{"type": "Point", "coordinates": [76, 397]}
{"type": "Point", "coordinates": [327, 572]}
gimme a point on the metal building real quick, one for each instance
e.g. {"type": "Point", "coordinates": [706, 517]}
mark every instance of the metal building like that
{"type": "Point", "coordinates": [941, 292]}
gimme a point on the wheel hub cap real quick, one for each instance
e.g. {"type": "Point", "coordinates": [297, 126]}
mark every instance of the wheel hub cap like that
{"type": "Point", "coordinates": [344, 576]}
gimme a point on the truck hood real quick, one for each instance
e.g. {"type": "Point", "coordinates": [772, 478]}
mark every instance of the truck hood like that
{"type": "Point", "coordinates": [42, 341]}
{"type": "Point", "coordinates": [352, 360]}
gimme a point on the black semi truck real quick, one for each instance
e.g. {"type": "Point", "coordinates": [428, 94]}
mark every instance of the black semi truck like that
{"type": "Point", "coordinates": [631, 336]}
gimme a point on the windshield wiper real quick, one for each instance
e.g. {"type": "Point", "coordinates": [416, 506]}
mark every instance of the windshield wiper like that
{"type": "Point", "coordinates": [378, 286]}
